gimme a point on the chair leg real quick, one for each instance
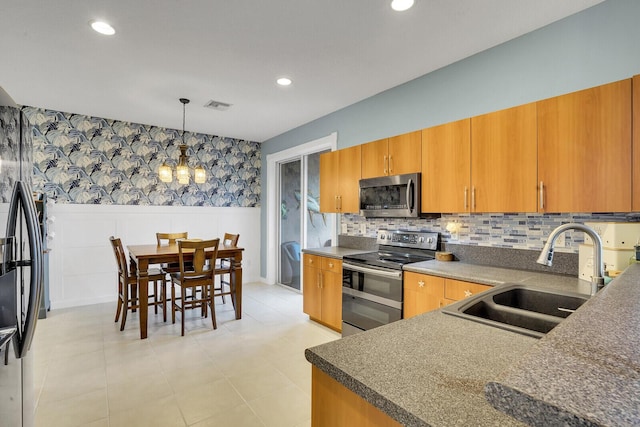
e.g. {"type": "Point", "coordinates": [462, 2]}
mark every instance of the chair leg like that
{"type": "Point", "coordinates": [126, 302]}
{"type": "Point", "coordinates": [155, 297]}
{"type": "Point", "coordinates": [211, 305]}
{"type": "Point", "coordinates": [119, 308]}
{"type": "Point", "coordinates": [173, 303]}
{"type": "Point", "coordinates": [184, 295]}
{"type": "Point", "coordinates": [163, 285]}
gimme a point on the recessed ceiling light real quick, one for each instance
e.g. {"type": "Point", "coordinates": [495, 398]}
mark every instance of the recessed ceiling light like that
{"type": "Point", "coordinates": [284, 81]}
{"type": "Point", "coordinates": [401, 5]}
{"type": "Point", "coordinates": [103, 28]}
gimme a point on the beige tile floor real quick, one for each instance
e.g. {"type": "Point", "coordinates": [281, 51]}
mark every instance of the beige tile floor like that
{"type": "Point", "coordinates": [248, 372]}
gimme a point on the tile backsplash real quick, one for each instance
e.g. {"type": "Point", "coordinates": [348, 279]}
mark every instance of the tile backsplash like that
{"type": "Point", "coordinates": [507, 230]}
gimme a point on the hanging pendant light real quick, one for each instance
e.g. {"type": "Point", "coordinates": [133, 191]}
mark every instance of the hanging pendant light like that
{"type": "Point", "coordinates": [182, 168]}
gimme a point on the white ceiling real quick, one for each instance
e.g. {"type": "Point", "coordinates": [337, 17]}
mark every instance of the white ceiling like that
{"type": "Point", "coordinates": [337, 52]}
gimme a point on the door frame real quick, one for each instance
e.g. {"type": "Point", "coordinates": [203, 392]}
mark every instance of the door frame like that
{"type": "Point", "coordinates": [328, 142]}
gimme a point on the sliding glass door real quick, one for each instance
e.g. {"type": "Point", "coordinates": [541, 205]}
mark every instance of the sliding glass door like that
{"type": "Point", "coordinates": [300, 225]}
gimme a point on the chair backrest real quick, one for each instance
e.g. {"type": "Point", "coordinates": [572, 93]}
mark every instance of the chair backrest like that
{"type": "Point", "coordinates": [201, 265]}
{"type": "Point", "coordinates": [170, 238]}
{"type": "Point", "coordinates": [230, 239]}
{"type": "Point", "coordinates": [121, 258]}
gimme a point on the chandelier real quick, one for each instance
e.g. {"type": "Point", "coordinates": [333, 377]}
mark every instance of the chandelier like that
{"type": "Point", "coordinates": [182, 168]}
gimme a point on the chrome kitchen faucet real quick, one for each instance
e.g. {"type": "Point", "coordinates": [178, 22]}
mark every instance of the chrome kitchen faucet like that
{"type": "Point", "coordinates": [546, 256]}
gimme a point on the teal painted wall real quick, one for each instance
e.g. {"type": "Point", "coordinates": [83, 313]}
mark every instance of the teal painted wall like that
{"type": "Point", "coordinates": [593, 47]}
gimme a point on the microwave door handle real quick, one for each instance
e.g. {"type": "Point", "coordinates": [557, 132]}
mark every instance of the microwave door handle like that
{"type": "Point", "coordinates": [409, 195]}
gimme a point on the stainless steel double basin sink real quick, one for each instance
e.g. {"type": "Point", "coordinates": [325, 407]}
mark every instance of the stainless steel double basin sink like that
{"type": "Point", "coordinates": [519, 308]}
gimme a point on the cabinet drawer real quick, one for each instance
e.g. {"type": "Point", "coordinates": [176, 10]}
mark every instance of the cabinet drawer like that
{"type": "Point", "coordinates": [332, 264]}
{"type": "Point", "coordinates": [312, 260]}
{"type": "Point", "coordinates": [423, 283]}
{"type": "Point", "coordinates": [457, 289]}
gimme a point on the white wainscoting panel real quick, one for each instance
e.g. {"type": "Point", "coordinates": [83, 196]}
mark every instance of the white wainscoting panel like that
{"type": "Point", "coordinates": [82, 268]}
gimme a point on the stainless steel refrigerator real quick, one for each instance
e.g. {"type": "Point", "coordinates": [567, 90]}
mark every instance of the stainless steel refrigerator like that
{"type": "Point", "coordinates": [21, 269]}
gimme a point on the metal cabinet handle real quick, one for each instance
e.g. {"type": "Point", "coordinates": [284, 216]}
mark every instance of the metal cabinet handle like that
{"type": "Point", "coordinates": [473, 198]}
{"type": "Point", "coordinates": [466, 195]}
{"type": "Point", "coordinates": [541, 195]}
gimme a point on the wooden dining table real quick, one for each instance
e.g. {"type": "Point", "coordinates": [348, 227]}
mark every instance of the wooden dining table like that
{"type": "Point", "coordinates": [142, 256]}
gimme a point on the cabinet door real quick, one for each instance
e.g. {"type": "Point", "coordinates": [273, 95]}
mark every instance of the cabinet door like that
{"type": "Point", "coordinates": [636, 143]}
{"type": "Point", "coordinates": [311, 291]}
{"type": "Point", "coordinates": [503, 160]}
{"type": "Point", "coordinates": [375, 159]}
{"type": "Point", "coordinates": [405, 153]}
{"type": "Point", "coordinates": [458, 289]}
{"type": "Point", "coordinates": [584, 150]}
{"type": "Point", "coordinates": [332, 299]}
{"type": "Point", "coordinates": [422, 293]}
{"type": "Point", "coordinates": [329, 181]}
{"type": "Point", "coordinates": [348, 179]}
{"type": "Point", "coordinates": [446, 167]}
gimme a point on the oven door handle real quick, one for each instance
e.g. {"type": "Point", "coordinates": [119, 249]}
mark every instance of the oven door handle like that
{"type": "Point", "coordinates": [370, 297]}
{"type": "Point", "coordinates": [391, 274]}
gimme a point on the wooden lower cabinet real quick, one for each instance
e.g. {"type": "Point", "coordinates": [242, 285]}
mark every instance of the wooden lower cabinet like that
{"type": "Point", "coordinates": [423, 292]}
{"type": "Point", "coordinates": [457, 289]}
{"type": "Point", "coordinates": [334, 405]}
{"type": "Point", "coordinates": [322, 290]}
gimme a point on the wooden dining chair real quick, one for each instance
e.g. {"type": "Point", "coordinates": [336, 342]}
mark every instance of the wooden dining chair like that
{"type": "Point", "coordinates": [199, 278]}
{"type": "Point", "coordinates": [223, 268]}
{"type": "Point", "coordinates": [170, 239]}
{"type": "Point", "coordinates": [128, 285]}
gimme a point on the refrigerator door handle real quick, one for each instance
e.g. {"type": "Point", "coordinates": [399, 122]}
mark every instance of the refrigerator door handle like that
{"type": "Point", "coordinates": [22, 195]}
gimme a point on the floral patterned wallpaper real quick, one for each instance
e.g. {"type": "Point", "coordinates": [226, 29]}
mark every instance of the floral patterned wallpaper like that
{"type": "Point", "coordinates": [91, 160]}
{"type": "Point", "coordinates": [14, 152]}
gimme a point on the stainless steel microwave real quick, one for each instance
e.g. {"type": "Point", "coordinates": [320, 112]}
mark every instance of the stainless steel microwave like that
{"type": "Point", "coordinates": [396, 196]}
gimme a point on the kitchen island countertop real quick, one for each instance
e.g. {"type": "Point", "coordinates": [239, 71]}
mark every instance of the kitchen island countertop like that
{"type": "Point", "coordinates": [432, 369]}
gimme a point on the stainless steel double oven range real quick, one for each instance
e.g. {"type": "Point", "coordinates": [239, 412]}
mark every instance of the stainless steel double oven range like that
{"type": "Point", "coordinates": [372, 290]}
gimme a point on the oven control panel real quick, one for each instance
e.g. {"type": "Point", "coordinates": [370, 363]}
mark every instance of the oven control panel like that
{"type": "Point", "coordinates": [409, 239]}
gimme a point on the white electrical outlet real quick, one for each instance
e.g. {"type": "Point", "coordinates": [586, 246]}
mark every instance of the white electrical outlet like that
{"type": "Point", "coordinates": [363, 229]}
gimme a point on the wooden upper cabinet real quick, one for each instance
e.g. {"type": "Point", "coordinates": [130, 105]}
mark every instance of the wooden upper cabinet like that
{"type": "Point", "coordinates": [339, 176]}
{"type": "Point", "coordinates": [446, 167]}
{"type": "Point", "coordinates": [503, 161]}
{"type": "Point", "coordinates": [405, 152]}
{"type": "Point", "coordinates": [636, 144]}
{"type": "Point", "coordinates": [329, 182]}
{"type": "Point", "coordinates": [584, 150]}
{"type": "Point", "coordinates": [392, 156]}
{"type": "Point", "coordinates": [375, 160]}
{"type": "Point", "coordinates": [348, 179]}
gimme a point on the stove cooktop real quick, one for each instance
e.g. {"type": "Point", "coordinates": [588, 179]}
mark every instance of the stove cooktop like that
{"type": "Point", "coordinates": [397, 248]}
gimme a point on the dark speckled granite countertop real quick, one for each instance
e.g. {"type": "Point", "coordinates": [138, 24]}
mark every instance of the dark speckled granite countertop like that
{"type": "Point", "coordinates": [334, 251]}
{"type": "Point", "coordinates": [586, 371]}
{"type": "Point", "coordinates": [432, 369]}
